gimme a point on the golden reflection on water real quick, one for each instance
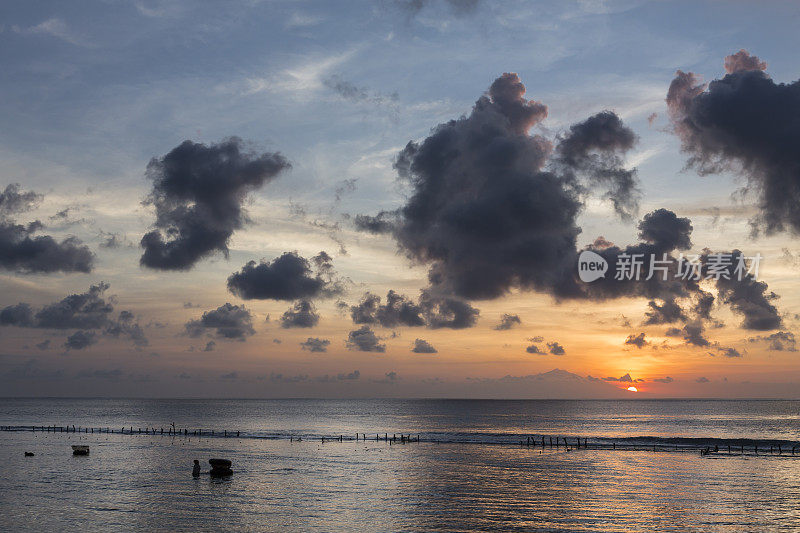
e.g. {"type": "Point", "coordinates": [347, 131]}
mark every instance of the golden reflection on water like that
{"type": "Point", "coordinates": [145, 483]}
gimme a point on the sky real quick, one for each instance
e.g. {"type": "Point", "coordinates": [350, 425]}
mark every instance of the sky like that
{"type": "Point", "coordinates": [389, 199]}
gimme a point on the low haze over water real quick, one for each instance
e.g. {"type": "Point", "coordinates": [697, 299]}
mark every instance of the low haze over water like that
{"type": "Point", "coordinates": [468, 470]}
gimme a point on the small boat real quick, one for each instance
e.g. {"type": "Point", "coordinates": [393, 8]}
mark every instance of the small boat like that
{"type": "Point", "coordinates": [78, 449]}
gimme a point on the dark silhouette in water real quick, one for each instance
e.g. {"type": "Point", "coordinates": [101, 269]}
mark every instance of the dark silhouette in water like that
{"type": "Point", "coordinates": [196, 468]}
{"type": "Point", "coordinates": [220, 467]}
{"type": "Point", "coordinates": [28, 454]}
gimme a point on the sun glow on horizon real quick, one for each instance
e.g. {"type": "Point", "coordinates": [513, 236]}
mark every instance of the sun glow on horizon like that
{"type": "Point", "coordinates": [632, 389]}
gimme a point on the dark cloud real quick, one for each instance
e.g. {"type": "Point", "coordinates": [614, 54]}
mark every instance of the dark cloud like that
{"type": "Point", "coordinates": [555, 348]}
{"type": "Point", "coordinates": [747, 297]}
{"type": "Point", "coordinates": [781, 341]}
{"type": "Point", "coordinates": [693, 333]}
{"type": "Point", "coordinates": [507, 322]}
{"type": "Point", "coordinates": [125, 326]}
{"type": "Point", "coordinates": [13, 201]}
{"type": "Point", "coordinates": [423, 346]}
{"type": "Point", "coordinates": [198, 192]}
{"type": "Point", "coordinates": [314, 344]}
{"type": "Point", "coordinates": [80, 340]}
{"type": "Point", "coordinates": [534, 349]}
{"type": "Point", "coordinates": [636, 340]}
{"type": "Point", "coordinates": [744, 122]}
{"type": "Point", "coordinates": [398, 311]}
{"type": "Point", "coordinates": [665, 229]}
{"type": "Point", "coordinates": [594, 148]}
{"type": "Point", "coordinates": [383, 222]}
{"type": "Point", "coordinates": [21, 251]}
{"type": "Point", "coordinates": [302, 315]}
{"type": "Point", "coordinates": [288, 277]}
{"type": "Point", "coordinates": [702, 379]}
{"type": "Point", "coordinates": [225, 322]}
{"type": "Point", "coordinates": [349, 91]}
{"type": "Point", "coordinates": [667, 312]}
{"type": "Point", "coordinates": [20, 315]}
{"type": "Point", "coordinates": [444, 312]}
{"type": "Point", "coordinates": [664, 380]}
{"type": "Point", "coordinates": [83, 311]}
{"type": "Point", "coordinates": [44, 345]}
{"type": "Point", "coordinates": [730, 352]}
{"type": "Point", "coordinates": [364, 339]}
{"type": "Point", "coordinates": [484, 213]}
{"type": "Point", "coordinates": [87, 310]}
{"type": "Point", "coordinates": [210, 345]}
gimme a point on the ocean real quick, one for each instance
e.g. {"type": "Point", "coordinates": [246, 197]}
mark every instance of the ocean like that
{"type": "Point", "coordinates": [473, 468]}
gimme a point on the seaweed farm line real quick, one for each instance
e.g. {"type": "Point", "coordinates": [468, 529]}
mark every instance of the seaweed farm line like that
{"type": "Point", "coordinates": [739, 447]}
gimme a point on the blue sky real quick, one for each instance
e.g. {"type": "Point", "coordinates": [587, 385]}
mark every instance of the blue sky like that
{"type": "Point", "coordinates": [91, 91]}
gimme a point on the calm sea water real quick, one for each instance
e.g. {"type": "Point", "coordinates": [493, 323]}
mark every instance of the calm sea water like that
{"type": "Point", "coordinates": [468, 473]}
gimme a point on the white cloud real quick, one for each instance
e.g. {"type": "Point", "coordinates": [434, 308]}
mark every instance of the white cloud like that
{"type": "Point", "coordinates": [54, 27]}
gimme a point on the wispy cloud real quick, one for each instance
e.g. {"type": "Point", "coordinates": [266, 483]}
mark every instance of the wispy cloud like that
{"type": "Point", "coordinates": [54, 27]}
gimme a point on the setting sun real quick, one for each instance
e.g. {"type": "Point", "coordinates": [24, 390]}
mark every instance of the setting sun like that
{"type": "Point", "coordinates": [633, 389]}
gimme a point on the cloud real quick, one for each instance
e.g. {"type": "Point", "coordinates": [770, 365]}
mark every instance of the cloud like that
{"type": "Point", "coordinates": [83, 311]}
{"type": "Point", "coordinates": [744, 122]}
{"type": "Point", "coordinates": [622, 379]}
{"type": "Point", "coordinates": [44, 345]}
{"type": "Point", "coordinates": [24, 252]}
{"type": "Point", "coordinates": [781, 341]}
{"type": "Point", "coordinates": [225, 322]}
{"type": "Point", "coordinates": [483, 212]}
{"type": "Point", "coordinates": [636, 340]}
{"type": "Point", "coordinates": [508, 321]}
{"type": "Point", "coordinates": [364, 340]}
{"type": "Point", "coordinates": [693, 333]}
{"type": "Point", "coordinates": [125, 326]}
{"type": "Point", "coordinates": [383, 222]}
{"type": "Point", "coordinates": [111, 241]}
{"type": "Point", "coordinates": [702, 380]}
{"type": "Point", "coordinates": [664, 227]}
{"type": "Point", "coordinates": [458, 7]}
{"type": "Point", "coordinates": [555, 348]}
{"type": "Point", "coordinates": [445, 312]}
{"type": "Point", "coordinates": [594, 148]}
{"type": "Point", "coordinates": [20, 251]}
{"type": "Point", "coordinates": [288, 277]}
{"type": "Point", "coordinates": [314, 344]}
{"type": "Point", "coordinates": [432, 310]}
{"type": "Point", "coordinates": [730, 352]}
{"type": "Point", "coordinates": [280, 378]}
{"type": "Point", "coordinates": [198, 192]}
{"type": "Point", "coordinates": [747, 297]}
{"type": "Point", "coordinates": [302, 315]}
{"type": "Point", "coordinates": [666, 379]}
{"type": "Point", "coordinates": [348, 91]}
{"type": "Point", "coordinates": [742, 61]}
{"type": "Point", "coordinates": [55, 27]}
{"type": "Point", "coordinates": [423, 346]}
{"type": "Point", "coordinates": [13, 201]}
{"type": "Point", "coordinates": [210, 345]}
{"type": "Point", "coordinates": [398, 311]}
{"type": "Point", "coordinates": [87, 310]}
{"type": "Point", "coordinates": [80, 340]}
{"type": "Point", "coordinates": [534, 349]}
